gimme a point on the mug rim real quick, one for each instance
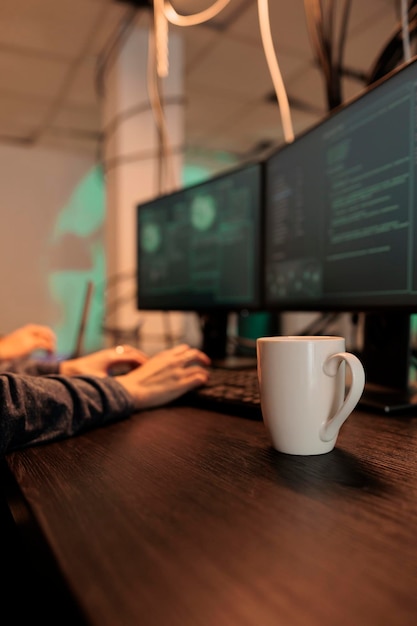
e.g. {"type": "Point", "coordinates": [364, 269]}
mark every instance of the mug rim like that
{"type": "Point", "coordinates": [295, 338]}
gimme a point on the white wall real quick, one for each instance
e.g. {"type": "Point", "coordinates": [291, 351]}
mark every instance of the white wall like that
{"type": "Point", "coordinates": [37, 184]}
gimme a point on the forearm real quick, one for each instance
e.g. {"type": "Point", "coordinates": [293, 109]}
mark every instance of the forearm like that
{"type": "Point", "coordinates": [36, 410]}
{"type": "Point", "coordinates": [28, 366]}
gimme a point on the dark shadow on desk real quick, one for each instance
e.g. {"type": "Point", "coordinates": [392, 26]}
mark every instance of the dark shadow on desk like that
{"type": "Point", "coordinates": [32, 589]}
{"type": "Point", "coordinates": [324, 472]}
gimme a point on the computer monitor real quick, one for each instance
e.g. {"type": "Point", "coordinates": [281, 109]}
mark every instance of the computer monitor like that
{"type": "Point", "coordinates": [198, 249]}
{"type": "Point", "coordinates": [341, 226]}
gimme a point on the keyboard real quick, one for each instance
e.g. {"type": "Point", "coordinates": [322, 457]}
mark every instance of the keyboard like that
{"type": "Point", "coordinates": [230, 390]}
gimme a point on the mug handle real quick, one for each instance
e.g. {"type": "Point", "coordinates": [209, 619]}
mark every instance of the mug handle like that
{"type": "Point", "coordinates": [330, 429]}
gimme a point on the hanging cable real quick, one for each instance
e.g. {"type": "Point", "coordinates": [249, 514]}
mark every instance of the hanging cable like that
{"type": "Point", "coordinates": [164, 12]}
{"type": "Point", "coordinates": [275, 71]}
{"type": "Point", "coordinates": [405, 31]}
{"type": "Point", "coordinates": [314, 17]}
{"type": "Point", "coordinates": [320, 25]}
{"type": "Point", "coordinates": [334, 91]}
{"type": "Point", "coordinates": [264, 23]}
{"type": "Point", "coordinates": [392, 53]}
{"type": "Point", "coordinates": [342, 36]}
{"type": "Point", "coordinates": [161, 38]}
{"type": "Point", "coordinates": [327, 29]}
{"type": "Point", "coordinates": [192, 20]}
{"type": "Point", "coordinates": [166, 178]}
{"type": "Point", "coordinates": [203, 16]}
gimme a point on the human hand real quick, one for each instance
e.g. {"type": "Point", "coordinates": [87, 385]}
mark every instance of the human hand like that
{"type": "Point", "coordinates": [101, 362]}
{"type": "Point", "coordinates": [25, 340]}
{"type": "Point", "coordinates": [166, 376]}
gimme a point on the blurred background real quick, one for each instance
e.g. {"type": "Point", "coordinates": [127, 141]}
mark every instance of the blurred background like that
{"type": "Point", "coordinates": [88, 127]}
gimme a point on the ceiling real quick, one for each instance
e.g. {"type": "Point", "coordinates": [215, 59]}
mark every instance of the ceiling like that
{"type": "Point", "coordinates": [49, 53]}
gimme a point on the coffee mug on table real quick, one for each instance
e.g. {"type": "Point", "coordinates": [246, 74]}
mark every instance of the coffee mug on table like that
{"type": "Point", "coordinates": [303, 387]}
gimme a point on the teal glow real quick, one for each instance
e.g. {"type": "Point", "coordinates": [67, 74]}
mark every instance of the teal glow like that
{"type": "Point", "coordinates": [84, 212]}
{"type": "Point", "coordinates": [219, 161]}
{"type": "Point", "coordinates": [193, 174]}
{"type": "Point", "coordinates": [76, 255]}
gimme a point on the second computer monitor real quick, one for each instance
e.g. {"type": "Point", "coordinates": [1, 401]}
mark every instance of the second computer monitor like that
{"type": "Point", "coordinates": [199, 248]}
{"type": "Point", "coordinates": [341, 207]}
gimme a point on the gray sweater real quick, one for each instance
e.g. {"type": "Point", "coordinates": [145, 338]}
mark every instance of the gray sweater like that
{"type": "Point", "coordinates": [37, 405]}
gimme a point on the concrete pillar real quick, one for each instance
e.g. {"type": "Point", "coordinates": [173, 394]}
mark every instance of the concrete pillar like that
{"type": "Point", "coordinates": [132, 160]}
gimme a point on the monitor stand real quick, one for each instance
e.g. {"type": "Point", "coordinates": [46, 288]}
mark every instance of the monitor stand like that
{"type": "Point", "coordinates": [214, 326]}
{"type": "Point", "coordinates": [214, 333]}
{"type": "Point", "coordinates": [386, 357]}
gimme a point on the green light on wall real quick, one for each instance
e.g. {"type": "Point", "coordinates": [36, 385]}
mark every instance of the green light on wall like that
{"type": "Point", "coordinates": [75, 256]}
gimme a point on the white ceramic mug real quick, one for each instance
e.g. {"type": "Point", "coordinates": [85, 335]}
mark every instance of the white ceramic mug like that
{"type": "Point", "coordinates": [302, 385]}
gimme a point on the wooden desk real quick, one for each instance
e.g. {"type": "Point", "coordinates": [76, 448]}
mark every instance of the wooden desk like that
{"type": "Point", "coordinates": [184, 517]}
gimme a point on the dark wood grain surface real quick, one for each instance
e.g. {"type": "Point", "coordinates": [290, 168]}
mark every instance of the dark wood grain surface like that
{"type": "Point", "coordinates": [185, 517]}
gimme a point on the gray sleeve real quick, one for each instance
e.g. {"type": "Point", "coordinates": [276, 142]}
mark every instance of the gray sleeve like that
{"type": "Point", "coordinates": [32, 367]}
{"type": "Point", "coordinates": [36, 410]}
